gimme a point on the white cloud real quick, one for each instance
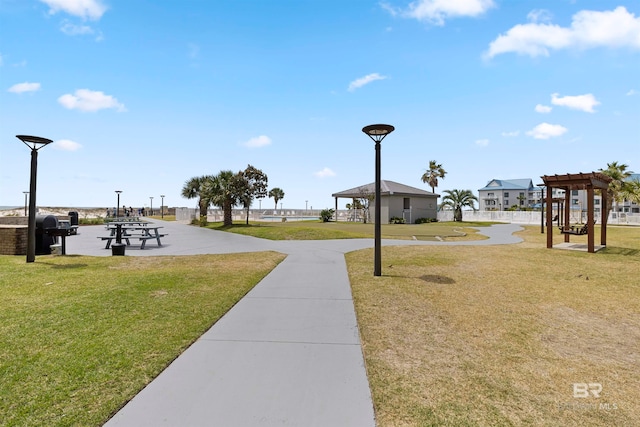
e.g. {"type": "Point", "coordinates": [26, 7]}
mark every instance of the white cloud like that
{"type": "Point", "coordinates": [546, 131]}
{"type": "Point", "coordinates": [257, 142]}
{"type": "Point", "coordinates": [539, 15]}
{"type": "Point", "coordinates": [482, 142]}
{"type": "Point", "coordinates": [511, 134]}
{"type": "Point", "coordinates": [324, 173]}
{"type": "Point", "coordinates": [632, 92]}
{"type": "Point", "coordinates": [580, 102]}
{"type": "Point", "coordinates": [358, 83]}
{"type": "Point", "coordinates": [437, 11]}
{"type": "Point", "coordinates": [88, 100]}
{"type": "Point", "coordinates": [66, 145]}
{"type": "Point", "coordinates": [543, 109]}
{"type": "Point", "coordinates": [91, 9]}
{"type": "Point", "coordinates": [75, 30]}
{"type": "Point", "coordinates": [589, 29]}
{"type": "Point", "coordinates": [24, 87]}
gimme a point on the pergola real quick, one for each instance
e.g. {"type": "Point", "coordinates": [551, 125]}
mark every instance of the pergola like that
{"type": "Point", "coordinates": [579, 181]}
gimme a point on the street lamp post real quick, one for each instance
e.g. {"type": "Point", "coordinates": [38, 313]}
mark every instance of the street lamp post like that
{"type": "Point", "coordinates": [162, 206]}
{"type": "Point", "coordinates": [151, 207]}
{"type": "Point", "coordinates": [26, 193]}
{"type": "Point", "coordinates": [118, 225]}
{"type": "Point", "coordinates": [377, 133]}
{"type": "Point", "coordinates": [34, 143]}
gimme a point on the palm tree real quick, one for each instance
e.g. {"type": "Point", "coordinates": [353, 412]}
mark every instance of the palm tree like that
{"type": "Point", "coordinates": [222, 191]}
{"type": "Point", "coordinates": [631, 191]}
{"type": "Point", "coordinates": [277, 195]}
{"type": "Point", "coordinates": [434, 172]}
{"type": "Point", "coordinates": [618, 174]}
{"type": "Point", "coordinates": [458, 199]}
{"type": "Point", "coordinates": [192, 189]}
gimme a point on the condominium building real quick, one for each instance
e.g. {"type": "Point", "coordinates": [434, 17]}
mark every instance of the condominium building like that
{"type": "Point", "coordinates": [502, 194]}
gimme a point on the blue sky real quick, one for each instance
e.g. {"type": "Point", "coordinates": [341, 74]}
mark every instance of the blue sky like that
{"type": "Point", "coordinates": [141, 95]}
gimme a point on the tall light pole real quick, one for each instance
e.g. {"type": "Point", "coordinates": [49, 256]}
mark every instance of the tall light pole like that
{"type": "Point", "coordinates": [162, 206]}
{"type": "Point", "coordinates": [118, 225]}
{"type": "Point", "coordinates": [151, 207]}
{"type": "Point", "coordinates": [34, 143]}
{"type": "Point", "coordinates": [26, 193]}
{"type": "Point", "coordinates": [377, 134]}
{"type": "Point", "coordinates": [118, 204]}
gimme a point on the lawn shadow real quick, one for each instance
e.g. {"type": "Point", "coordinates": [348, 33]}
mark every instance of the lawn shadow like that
{"type": "Point", "coordinates": [614, 250]}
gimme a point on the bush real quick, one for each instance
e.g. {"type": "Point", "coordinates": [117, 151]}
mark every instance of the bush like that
{"type": "Point", "coordinates": [396, 220]}
{"type": "Point", "coordinates": [326, 214]}
{"type": "Point", "coordinates": [425, 220]}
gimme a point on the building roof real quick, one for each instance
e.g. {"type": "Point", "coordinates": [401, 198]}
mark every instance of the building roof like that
{"type": "Point", "coordinates": [511, 184]}
{"type": "Point", "coordinates": [387, 188]}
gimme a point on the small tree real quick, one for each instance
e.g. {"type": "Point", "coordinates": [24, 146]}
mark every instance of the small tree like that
{"type": "Point", "coordinates": [432, 174]}
{"type": "Point", "coordinates": [195, 188]}
{"type": "Point", "coordinates": [458, 199]}
{"type": "Point", "coordinates": [618, 174]}
{"type": "Point", "coordinates": [365, 199]}
{"type": "Point", "coordinates": [277, 194]}
{"type": "Point", "coordinates": [326, 214]}
{"type": "Point", "coordinates": [251, 183]}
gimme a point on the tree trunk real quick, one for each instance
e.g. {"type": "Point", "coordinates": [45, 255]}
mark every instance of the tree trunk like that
{"type": "Point", "coordinates": [457, 215]}
{"type": "Point", "coordinates": [203, 213]}
{"type": "Point", "coordinates": [228, 220]}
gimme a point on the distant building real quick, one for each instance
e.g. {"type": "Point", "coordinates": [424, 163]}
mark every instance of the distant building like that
{"type": "Point", "coordinates": [397, 200]}
{"type": "Point", "coordinates": [502, 194]}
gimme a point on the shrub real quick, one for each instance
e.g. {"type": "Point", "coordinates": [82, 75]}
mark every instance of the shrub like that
{"type": "Point", "coordinates": [326, 214]}
{"type": "Point", "coordinates": [396, 220]}
{"type": "Point", "coordinates": [425, 220]}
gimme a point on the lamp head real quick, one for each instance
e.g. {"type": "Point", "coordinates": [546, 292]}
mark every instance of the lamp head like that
{"type": "Point", "coordinates": [378, 132]}
{"type": "Point", "coordinates": [34, 142]}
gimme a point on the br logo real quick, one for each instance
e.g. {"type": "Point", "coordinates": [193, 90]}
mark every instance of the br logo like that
{"type": "Point", "coordinates": [582, 390]}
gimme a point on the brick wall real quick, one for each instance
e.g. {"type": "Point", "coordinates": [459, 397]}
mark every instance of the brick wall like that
{"type": "Point", "coordinates": [13, 239]}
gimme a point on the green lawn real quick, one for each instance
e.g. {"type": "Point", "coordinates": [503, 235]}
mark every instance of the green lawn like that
{"type": "Point", "coordinates": [80, 336]}
{"type": "Point", "coordinates": [317, 230]}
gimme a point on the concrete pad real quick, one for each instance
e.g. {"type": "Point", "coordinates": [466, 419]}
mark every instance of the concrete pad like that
{"type": "Point", "coordinates": [221, 383]}
{"type": "Point", "coordinates": [582, 247]}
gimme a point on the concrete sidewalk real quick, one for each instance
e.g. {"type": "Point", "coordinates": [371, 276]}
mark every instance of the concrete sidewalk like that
{"type": "Point", "coordinates": [287, 354]}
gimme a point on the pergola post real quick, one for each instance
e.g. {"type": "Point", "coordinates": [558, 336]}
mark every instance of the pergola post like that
{"type": "Point", "coordinates": [567, 212]}
{"type": "Point", "coordinates": [590, 220]}
{"type": "Point", "coordinates": [604, 213]}
{"type": "Point", "coordinates": [549, 217]}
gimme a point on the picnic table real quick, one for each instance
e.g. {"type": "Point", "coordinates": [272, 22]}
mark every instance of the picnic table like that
{"type": "Point", "coordinates": [142, 231]}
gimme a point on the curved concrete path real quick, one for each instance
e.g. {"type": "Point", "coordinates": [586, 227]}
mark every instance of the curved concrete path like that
{"type": "Point", "coordinates": [287, 354]}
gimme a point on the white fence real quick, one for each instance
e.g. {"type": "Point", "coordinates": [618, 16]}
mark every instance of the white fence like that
{"type": "Point", "coordinates": [277, 215]}
{"type": "Point", "coordinates": [533, 217]}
